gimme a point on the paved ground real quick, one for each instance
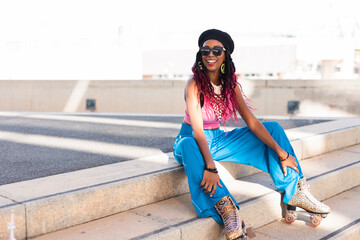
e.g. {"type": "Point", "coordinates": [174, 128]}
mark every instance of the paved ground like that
{"type": "Point", "coordinates": [34, 145]}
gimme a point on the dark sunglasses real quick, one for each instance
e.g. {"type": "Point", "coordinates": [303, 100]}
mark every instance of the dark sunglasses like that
{"type": "Point", "coordinates": [217, 50]}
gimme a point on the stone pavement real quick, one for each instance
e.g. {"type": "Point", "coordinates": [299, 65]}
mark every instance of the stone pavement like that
{"type": "Point", "coordinates": [34, 144]}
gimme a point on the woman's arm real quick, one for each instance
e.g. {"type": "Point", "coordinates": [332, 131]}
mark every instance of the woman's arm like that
{"type": "Point", "coordinates": [195, 114]}
{"type": "Point", "coordinates": [196, 119]}
{"type": "Point", "coordinates": [261, 132]}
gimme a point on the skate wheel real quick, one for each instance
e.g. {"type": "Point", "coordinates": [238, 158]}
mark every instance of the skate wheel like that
{"type": "Point", "coordinates": [289, 218]}
{"type": "Point", "coordinates": [315, 220]}
{"type": "Point", "coordinates": [250, 232]}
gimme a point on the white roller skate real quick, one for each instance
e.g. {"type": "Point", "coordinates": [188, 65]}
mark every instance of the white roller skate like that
{"type": "Point", "coordinates": [305, 200]}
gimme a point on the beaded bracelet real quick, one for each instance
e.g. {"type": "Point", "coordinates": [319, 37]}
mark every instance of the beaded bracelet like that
{"type": "Point", "coordinates": [213, 170]}
{"type": "Point", "coordinates": [281, 160]}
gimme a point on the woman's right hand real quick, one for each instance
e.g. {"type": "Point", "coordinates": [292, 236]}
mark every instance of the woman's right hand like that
{"type": "Point", "coordinates": [210, 182]}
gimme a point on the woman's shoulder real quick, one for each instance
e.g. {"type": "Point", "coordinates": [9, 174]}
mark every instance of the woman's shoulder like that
{"type": "Point", "coordinates": [191, 80]}
{"type": "Point", "coordinates": [191, 83]}
{"type": "Point", "coordinates": [191, 88]}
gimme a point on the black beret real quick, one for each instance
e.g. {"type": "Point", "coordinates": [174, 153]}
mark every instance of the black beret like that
{"type": "Point", "coordinates": [221, 36]}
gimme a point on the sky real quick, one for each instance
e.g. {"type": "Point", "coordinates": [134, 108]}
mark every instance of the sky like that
{"type": "Point", "coordinates": [82, 39]}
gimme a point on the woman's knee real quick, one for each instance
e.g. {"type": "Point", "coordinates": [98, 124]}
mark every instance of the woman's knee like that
{"type": "Point", "coordinates": [182, 145]}
{"type": "Point", "coordinates": [187, 143]}
{"type": "Point", "coordinates": [271, 126]}
{"type": "Point", "coordinates": [190, 152]}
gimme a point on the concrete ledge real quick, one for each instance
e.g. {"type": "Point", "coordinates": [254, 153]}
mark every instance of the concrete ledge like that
{"type": "Point", "coordinates": [352, 233]}
{"type": "Point", "coordinates": [264, 208]}
{"type": "Point", "coordinates": [7, 207]}
{"type": "Point", "coordinates": [205, 229]}
{"type": "Point", "coordinates": [312, 140]}
{"type": "Point", "coordinates": [75, 203]}
{"type": "Point", "coordinates": [342, 223]}
{"type": "Point", "coordinates": [259, 204]}
{"type": "Point", "coordinates": [65, 200]}
{"type": "Point", "coordinates": [325, 137]}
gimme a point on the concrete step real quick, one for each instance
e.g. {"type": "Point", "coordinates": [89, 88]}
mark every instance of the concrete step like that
{"type": "Point", "coordinates": [52, 203]}
{"type": "Point", "coordinates": [342, 223]}
{"type": "Point", "coordinates": [328, 174]}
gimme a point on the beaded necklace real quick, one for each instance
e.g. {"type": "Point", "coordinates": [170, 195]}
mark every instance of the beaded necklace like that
{"type": "Point", "coordinates": [218, 102]}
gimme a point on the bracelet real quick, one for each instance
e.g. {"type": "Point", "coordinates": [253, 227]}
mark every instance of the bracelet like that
{"type": "Point", "coordinates": [281, 160]}
{"type": "Point", "coordinates": [213, 170]}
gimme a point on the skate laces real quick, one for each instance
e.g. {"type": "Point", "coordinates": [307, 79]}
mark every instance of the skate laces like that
{"type": "Point", "coordinates": [305, 187]}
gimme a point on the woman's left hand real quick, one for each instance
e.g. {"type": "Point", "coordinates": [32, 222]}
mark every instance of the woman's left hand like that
{"type": "Point", "coordinates": [291, 163]}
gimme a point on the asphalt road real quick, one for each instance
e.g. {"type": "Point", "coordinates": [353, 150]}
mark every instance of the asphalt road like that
{"type": "Point", "coordinates": [34, 145]}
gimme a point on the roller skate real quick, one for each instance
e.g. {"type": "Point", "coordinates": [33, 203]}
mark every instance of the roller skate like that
{"type": "Point", "coordinates": [232, 219]}
{"type": "Point", "coordinates": [306, 201]}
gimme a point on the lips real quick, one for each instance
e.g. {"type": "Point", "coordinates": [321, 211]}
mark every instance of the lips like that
{"type": "Point", "coordinates": [211, 62]}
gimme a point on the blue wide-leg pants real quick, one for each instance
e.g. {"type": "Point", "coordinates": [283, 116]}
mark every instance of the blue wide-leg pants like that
{"type": "Point", "coordinates": [241, 146]}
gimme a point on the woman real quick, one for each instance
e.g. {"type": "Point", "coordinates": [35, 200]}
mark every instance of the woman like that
{"type": "Point", "coordinates": [212, 97]}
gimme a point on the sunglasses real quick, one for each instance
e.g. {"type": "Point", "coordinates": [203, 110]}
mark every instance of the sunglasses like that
{"type": "Point", "coordinates": [217, 50]}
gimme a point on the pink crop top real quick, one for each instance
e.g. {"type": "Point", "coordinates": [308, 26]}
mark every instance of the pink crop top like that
{"type": "Point", "coordinates": [209, 117]}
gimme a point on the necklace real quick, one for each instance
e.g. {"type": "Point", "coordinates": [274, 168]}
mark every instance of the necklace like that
{"type": "Point", "coordinates": [218, 101]}
{"type": "Point", "coordinates": [217, 89]}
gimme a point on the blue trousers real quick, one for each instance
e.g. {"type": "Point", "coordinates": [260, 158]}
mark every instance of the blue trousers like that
{"type": "Point", "coordinates": [241, 146]}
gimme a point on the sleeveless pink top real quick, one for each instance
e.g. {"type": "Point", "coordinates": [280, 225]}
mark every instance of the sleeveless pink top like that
{"type": "Point", "coordinates": [209, 117]}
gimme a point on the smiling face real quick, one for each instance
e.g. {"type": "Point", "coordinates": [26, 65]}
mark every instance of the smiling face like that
{"type": "Point", "coordinates": [211, 62]}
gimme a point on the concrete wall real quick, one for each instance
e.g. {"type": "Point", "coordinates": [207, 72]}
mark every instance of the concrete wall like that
{"type": "Point", "coordinates": [317, 97]}
{"type": "Point", "coordinates": [111, 96]}
{"type": "Point", "coordinates": [269, 97]}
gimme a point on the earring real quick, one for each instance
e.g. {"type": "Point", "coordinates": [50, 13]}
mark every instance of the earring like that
{"type": "Point", "coordinates": [222, 68]}
{"type": "Point", "coordinates": [200, 66]}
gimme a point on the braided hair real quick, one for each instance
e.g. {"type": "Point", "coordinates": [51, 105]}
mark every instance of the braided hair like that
{"type": "Point", "coordinates": [224, 107]}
